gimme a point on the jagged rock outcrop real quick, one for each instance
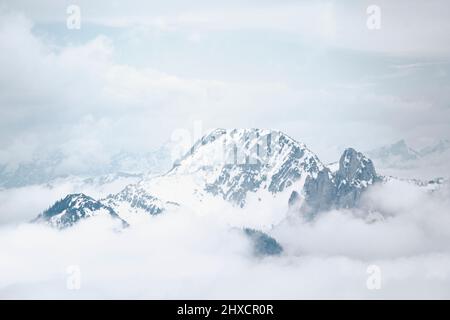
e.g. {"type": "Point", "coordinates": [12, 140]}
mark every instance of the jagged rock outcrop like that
{"type": "Point", "coordinates": [263, 244]}
{"type": "Point", "coordinates": [341, 189]}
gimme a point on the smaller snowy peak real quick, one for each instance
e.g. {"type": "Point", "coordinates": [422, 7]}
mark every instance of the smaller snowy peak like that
{"type": "Point", "coordinates": [73, 208]}
{"type": "Point", "coordinates": [136, 199]}
{"type": "Point", "coordinates": [355, 169]}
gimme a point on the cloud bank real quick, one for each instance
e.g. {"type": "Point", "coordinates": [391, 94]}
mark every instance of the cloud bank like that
{"type": "Point", "coordinates": [181, 254]}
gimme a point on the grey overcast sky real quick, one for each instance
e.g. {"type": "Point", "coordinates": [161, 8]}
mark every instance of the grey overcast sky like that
{"type": "Point", "coordinates": [138, 70]}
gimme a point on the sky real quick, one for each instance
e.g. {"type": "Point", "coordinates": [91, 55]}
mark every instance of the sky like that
{"type": "Point", "coordinates": [137, 71]}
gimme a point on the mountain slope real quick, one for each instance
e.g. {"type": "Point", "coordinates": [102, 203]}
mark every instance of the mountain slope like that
{"type": "Point", "coordinates": [240, 162]}
{"type": "Point", "coordinates": [134, 200]}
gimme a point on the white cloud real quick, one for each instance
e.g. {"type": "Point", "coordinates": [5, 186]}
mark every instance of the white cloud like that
{"type": "Point", "coordinates": [407, 27]}
{"type": "Point", "coordinates": [180, 254]}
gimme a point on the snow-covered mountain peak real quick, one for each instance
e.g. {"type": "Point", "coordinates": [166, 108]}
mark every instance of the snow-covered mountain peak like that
{"type": "Point", "coordinates": [234, 162]}
{"type": "Point", "coordinates": [239, 147]}
{"type": "Point", "coordinates": [77, 200]}
{"type": "Point", "coordinates": [341, 188]}
{"type": "Point", "coordinates": [355, 168]}
{"type": "Point", "coordinates": [74, 207]}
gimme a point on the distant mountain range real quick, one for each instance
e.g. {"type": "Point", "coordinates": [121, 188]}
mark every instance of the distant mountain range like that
{"type": "Point", "coordinates": [44, 168]}
{"type": "Point", "coordinates": [397, 152]}
{"type": "Point", "coordinates": [401, 160]}
{"type": "Point", "coordinates": [400, 154]}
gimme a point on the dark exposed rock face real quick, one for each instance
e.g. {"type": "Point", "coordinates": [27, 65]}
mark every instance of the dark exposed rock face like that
{"type": "Point", "coordinates": [234, 182]}
{"type": "Point", "coordinates": [356, 173]}
{"type": "Point", "coordinates": [263, 244]}
{"type": "Point", "coordinates": [294, 199]}
{"type": "Point", "coordinates": [319, 192]}
{"type": "Point", "coordinates": [342, 189]}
